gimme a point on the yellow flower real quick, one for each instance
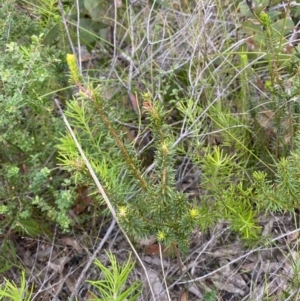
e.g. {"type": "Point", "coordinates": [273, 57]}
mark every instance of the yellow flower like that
{"type": "Point", "coordinates": [194, 213]}
{"type": "Point", "coordinates": [165, 148]}
{"type": "Point", "coordinates": [161, 236]}
{"type": "Point", "coordinates": [265, 19]}
{"type": "Point", "coordinates": [147, 96]}
{"type": "Point", "coordinates": [71, 60]}
{"type": "Point", "coordinates": [123, 211]}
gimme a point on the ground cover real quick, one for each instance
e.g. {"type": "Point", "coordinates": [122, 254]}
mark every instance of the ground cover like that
{"type": "Point", "coordinates": [167, 129]}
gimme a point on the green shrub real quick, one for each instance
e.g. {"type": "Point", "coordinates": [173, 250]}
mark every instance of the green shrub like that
{"type": "Point", "coordinates": [150, 203]}
{"type": "Point", "coordinates": [143, 201]}
{"type": "Point", "coordinates": [146, 200]}
{"type": "Point", "coordinates": [30, 183]}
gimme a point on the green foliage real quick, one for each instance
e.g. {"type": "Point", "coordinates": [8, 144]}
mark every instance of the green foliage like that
{"type": "Point", "coordinates": [249, 141]}
{"type": "Point", "coordinates": [224, 199]}
{"type": "Point", "coordinates": [210, 296]}
{"type": "Point", "coordinates": [291, 291]}
{"type": "Point", "coordinates": [229, 195]}
{"type": "Point", "coordinates": [269, 42]}
{"type": "Point", "coordinates": [282, 194]}
{"type": "Point", "coordinates": [253, 141]}
{"type": "Point", "coordinates": [28, 126]}
{"type": "Point", "coordinates": [114, 285]}
{"type": "Point", "coordinates": [202, 96]}
{"type": "Point", "coordinates": [279, 25]}
{"type": "Point", "coordinates": [11, 292]}
{"type": "Point", "coordinates": [145, 201]}
{"type": "Point", "coordinates": [8, 258]}
{"type": "Point", "coordinates": [13, 27]}
{"type": "Point", "coordinates": [138, 198]}
{"type": "Point", "coordinates": [234, 130]}
{"type": "Point", "coordinates": [50, 21]}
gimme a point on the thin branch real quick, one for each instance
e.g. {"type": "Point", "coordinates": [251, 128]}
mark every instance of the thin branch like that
{"type": "Point", "coordinates": [79, 60]}
{"type": "Point", "coordinates": [61, 9]}
{"type": "Point", "coordinates": [238, 259]}
{"type": "Point", "coordinates": [91, 260]}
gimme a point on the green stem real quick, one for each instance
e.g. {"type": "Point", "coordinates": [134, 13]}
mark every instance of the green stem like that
{"type": "Point", "coordinates": [89, 94]}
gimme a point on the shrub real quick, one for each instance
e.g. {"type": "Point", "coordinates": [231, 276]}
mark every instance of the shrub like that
{"type": "Point", "coordinates": [31, 188]}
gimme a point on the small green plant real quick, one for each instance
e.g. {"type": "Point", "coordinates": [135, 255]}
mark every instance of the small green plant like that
{"type": "Point", "coordinates": [114, 286]}
{"type": "Point", "coordinates": [12, 292]}
{"type": "Point", "coordinates": [224, 198]}
{"type": "Point", "coordinates": [282, 194]}
{"type": "Point", "coordinates": [210, 296]}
